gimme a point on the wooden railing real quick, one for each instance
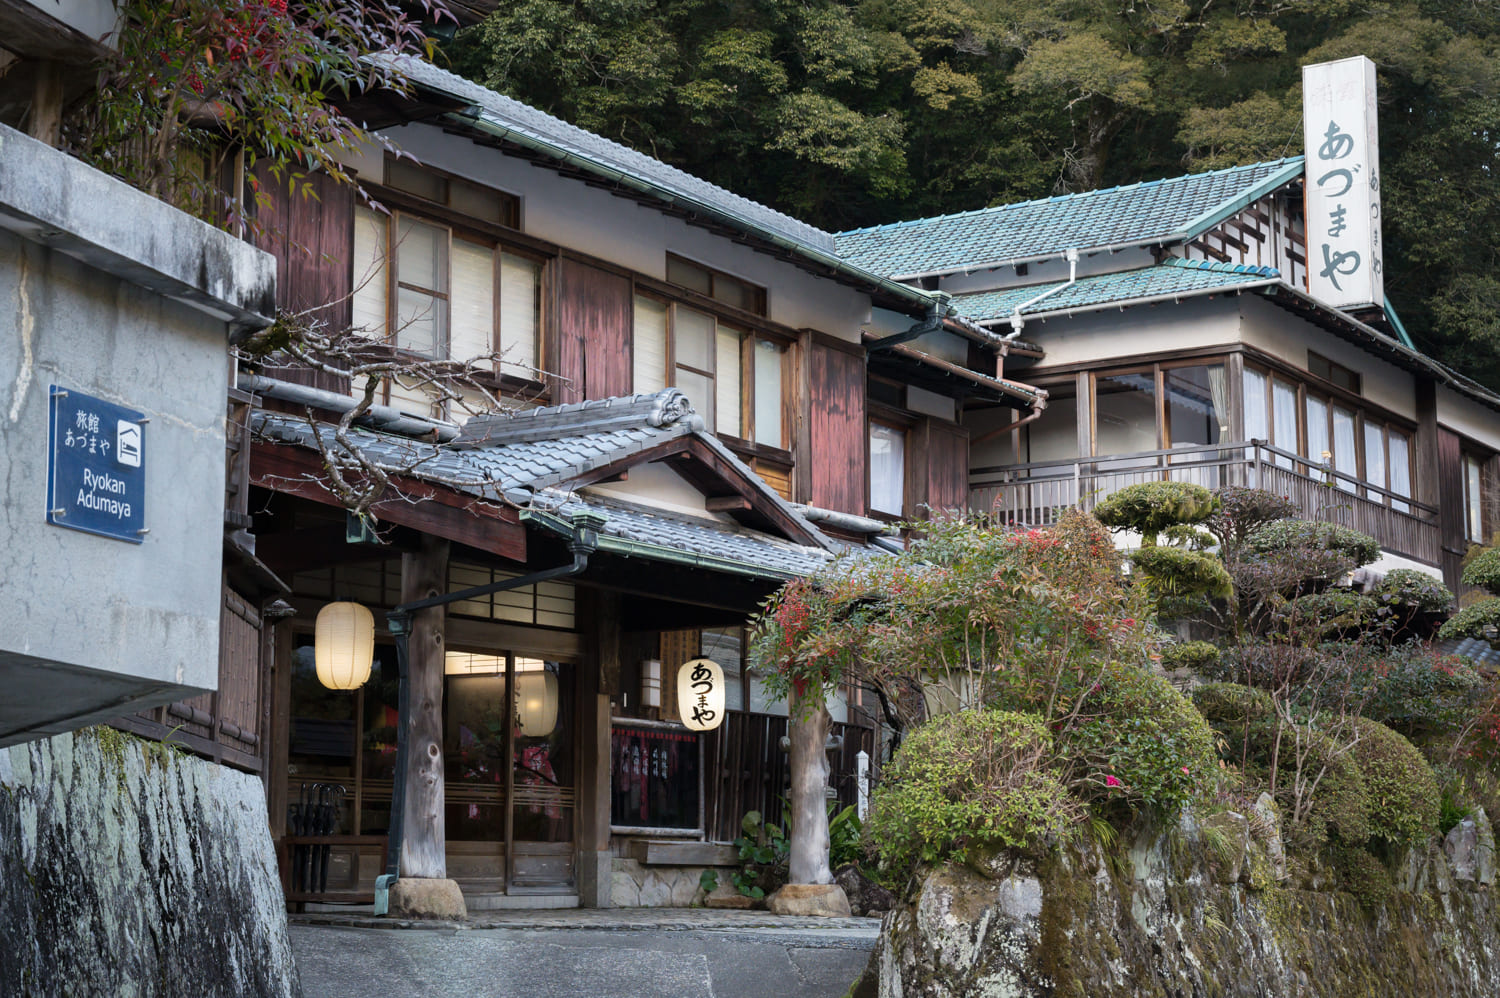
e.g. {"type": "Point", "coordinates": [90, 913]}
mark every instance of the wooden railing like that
{"type": "Point", "coordinates": [747, 769]}
{"type": "Point", "coordinates": [1036, 494]}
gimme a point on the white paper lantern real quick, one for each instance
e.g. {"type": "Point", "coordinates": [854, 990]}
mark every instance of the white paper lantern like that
{"type": "Point", "coordinates": [700, 694]}
{"type": "Point", "coordinates": [344, 645]}
{"type": "Point", "coordinates": [536, 703]}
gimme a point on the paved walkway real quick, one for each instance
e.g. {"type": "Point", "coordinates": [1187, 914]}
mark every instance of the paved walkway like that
{"type": "Point", "coordinates": [613, 953]}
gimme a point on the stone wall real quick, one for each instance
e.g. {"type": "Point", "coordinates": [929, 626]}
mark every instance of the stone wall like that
{"type": "Point", "coordinates": [1185, 914]}
{"type": "Point", "coordinates": [636, 885]}
{"type": "Point", "coordinates": [131, 870]}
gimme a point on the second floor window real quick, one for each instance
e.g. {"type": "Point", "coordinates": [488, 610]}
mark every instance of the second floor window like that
{"type": "Point", "coordinates": [732, 376]}
{"type": "Point", "coordinates": [887, 469]}
{"type": "Point", "coordinates": [1473, 499]}
{"type": "Point", "coordinates": [443, 294]}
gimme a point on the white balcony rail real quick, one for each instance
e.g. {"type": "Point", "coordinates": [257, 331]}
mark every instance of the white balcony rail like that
{"type": "Point", "coordinates": [1036, 494]}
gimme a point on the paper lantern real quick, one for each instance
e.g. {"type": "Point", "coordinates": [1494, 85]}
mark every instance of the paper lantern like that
{"type": "Point", "coordinates": [536, 703]}
{"type": "Point", "coordinates": [700, 694]}
{"type": "Point", "coordinates": [344, 645]}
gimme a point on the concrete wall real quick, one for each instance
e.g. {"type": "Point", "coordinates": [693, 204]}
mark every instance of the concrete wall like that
{"type": "Point", "coordinates": [619, 230]}
{"type": "Point", "coordinates": [1468, 418]}
{"type": "Point", "coordinates": [115, 295]}
{"type": "Point", "coordinates": [132, 871]}
{"type": "Point", "coordinates": [1114, 336]}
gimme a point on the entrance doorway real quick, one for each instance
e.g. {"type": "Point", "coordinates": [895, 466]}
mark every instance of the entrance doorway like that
{"type": "Point", "coordinates": [510, 736]}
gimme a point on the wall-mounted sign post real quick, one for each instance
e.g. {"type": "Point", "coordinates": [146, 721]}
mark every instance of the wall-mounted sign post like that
{"type": "Point", "coordinates": [96, 466]}
{"type": "Point", "coordinates": [1342, 144]}
{"type": "Point", "coordinates": [700, 694]}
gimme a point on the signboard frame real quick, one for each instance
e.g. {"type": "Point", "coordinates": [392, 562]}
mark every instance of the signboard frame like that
{"type": "Point", "coordinates": [96, 466]}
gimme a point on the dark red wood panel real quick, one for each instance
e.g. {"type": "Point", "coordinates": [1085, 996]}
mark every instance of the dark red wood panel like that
{"type": "Point", "coordinates": [311, 235]}
{"type": "Point", "coordinates": [593, 330]}
{"type": "Point", "coordinates": [1450, 496]}
{"type": "Point", "coordinates": [837, 429]}
{"type": "Point", "coordinates": [947, 457]}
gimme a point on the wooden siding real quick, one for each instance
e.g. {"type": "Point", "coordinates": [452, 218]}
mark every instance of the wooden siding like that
{"type": "Point", "coordinates": [945, 453]}
{"type": "Point", "coordinates": [226, 726]}
{"type": "Point", "coordinates": [1450, 497]}
{"type": "Point", "coordinates": [594, 313]}
{"type": "Point", "coordinates": [745, 769]}
{"type": "Point", "coordinates": [837, 440]}
{"type": "Point", "coordinates": [311, 238]}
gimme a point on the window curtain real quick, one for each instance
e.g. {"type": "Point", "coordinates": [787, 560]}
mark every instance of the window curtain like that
{"type": "Point", "coordinates": [1218, 387]}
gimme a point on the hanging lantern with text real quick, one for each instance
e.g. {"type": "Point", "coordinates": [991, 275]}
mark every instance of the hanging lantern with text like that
{"type": "Point", "coordinates": [344, 645]}
{"type": "Point", "coordinates": [700, 694]}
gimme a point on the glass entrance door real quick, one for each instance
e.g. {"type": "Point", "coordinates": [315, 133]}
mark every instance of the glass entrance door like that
{"type": "Point", "coordinates": [510, 760]}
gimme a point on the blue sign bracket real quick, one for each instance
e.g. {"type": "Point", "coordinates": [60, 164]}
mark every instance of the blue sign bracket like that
{"type": "Point", "coordinates": [96, 466]}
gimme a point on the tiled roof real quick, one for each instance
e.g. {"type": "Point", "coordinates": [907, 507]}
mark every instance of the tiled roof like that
{"type": "Point", "coordinates": [1173, 276]}
{"type": "Point", "coordinates": [1157, 211]}
{"type": "Point", "coordinates": [524, 458]}
{"type": "Point", "coordinates": [566, 138]}
{"type": "Point", "coordinates": [660, 534]}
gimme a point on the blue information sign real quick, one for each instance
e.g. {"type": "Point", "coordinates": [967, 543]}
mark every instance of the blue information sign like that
{"type": "Point", "coordinates": [96, 465]}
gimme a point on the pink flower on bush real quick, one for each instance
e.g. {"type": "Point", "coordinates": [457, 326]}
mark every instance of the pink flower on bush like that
{"type": "Point", "coordinates": [1186, 770]}
{"type": "Point", "coordinates": [1111, 781]}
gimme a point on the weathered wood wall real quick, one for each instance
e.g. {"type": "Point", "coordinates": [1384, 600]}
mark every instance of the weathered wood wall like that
{"type": "Point", "coordinates": [594, 311]}
{"type": "Point", "coordinates": [1450, 497]}
{"type": "Point", "coordinates": [837, 440]}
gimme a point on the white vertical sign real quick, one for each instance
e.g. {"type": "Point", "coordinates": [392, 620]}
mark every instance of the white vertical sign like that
{"type": "Point", "coordinates": [1340, 136]}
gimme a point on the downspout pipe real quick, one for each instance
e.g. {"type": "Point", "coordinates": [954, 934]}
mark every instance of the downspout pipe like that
{"type": "Point", "coordinates": [1016, 322]}
{"type": "Point", "coordinates": [1032, 416]}
{"type": "Point", "coordinates": [583, 543]}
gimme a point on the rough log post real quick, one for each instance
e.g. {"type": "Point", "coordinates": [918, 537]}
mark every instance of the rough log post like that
{"type": "Point", "coordinates": [423, 575]}
{"type": "Point", "coordinates": [808, 728]}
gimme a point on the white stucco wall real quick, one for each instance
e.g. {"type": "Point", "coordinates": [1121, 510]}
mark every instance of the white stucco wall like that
{"type": "Point", "coordinates": [1468, 418]}
{"type": "Point", "coordinates": [1288, 337]}
{"type": "Point", "coordinates": [1115, 336]}
{"type": "Point", "coordinates": [593, 221]}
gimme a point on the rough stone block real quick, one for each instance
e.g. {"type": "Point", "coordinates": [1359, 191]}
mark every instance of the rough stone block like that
{"type": "Point", "coordinates": [624, 891]}
{"type": "Point", "coordinates": [424, 897]}
{"type": "Point", "coordinates": [809, 899]}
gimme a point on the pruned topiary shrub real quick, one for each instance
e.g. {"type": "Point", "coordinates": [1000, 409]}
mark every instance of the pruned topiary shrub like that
{"type": "Point", "coordinates": [1176, 572]}
{"type": "Point", "coordinates": [1483, 571]}
{"type": "Point", "coordinates": [1407, 587]}
{"type": "Point", "coordinates": [1308, 535]}
{"type": "Point", "coordinates": [1403, 791]}
{"type": "Point", "coordinates": [973, 778]}
{"type": "Point", "coordinates": [1232, 704]}
{"type": "Point", "coordinates": [1136, 743]}
{"type": "Point", "coordinates": [1243, 510]}
{"type": "Point", "coordinates": [1151, 507]}
{"type": "Point", "coordinates": [1194, 655]}
{"type": "Point", "coordinates": [1327, 614]}
{"type": "Point", "coordinates": [1471, 621]}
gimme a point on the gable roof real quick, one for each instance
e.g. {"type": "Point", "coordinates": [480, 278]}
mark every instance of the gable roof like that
{"type": "Point", "coordinates": [624, 169]}
{"type": "Point", "coordinates": [1174, 277]}
{"type": "Point", "coordinates": [1152, 213]}
{"type": "Point", "coordinates": [530, 458]}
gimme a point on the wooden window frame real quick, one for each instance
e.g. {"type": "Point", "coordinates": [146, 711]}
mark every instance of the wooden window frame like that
{"type": "Point", "coordinates": [758, 293]}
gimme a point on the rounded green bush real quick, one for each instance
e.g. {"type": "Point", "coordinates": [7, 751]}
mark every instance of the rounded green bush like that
{"type": "Point", "coordinates": [1407, 587]}
{"type": "Point", "coordinates": [1151, 507]}
{"type": "Point", "coordinates": [1471, 621]}
{"type": "Point", "coordinates": [1328, 613]}
{"type": "Point", "coordinates": [1137, 741]}
{"type": "Point", "coordinates": [1308, 535]}
{"type": "Point", "coordinates": [1341, 802]}
{"type": "Point", "coordinates": [1403, 791]}
{"type": "Point", "coordinates": [1189, 655]}
{"type": "Point", "coordinates": [1483, 571]}
{"type": "Point", "coordinates": [973, 778]}
{"type": "Point", "coordinates": [1232, 704]}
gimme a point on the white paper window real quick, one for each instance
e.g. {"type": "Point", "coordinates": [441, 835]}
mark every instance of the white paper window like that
{"type": "Point", "coordinates": [369, 272]}
{"type": "Point", "coordinates": [1345, 457]}
{"type": "Point", "coordinates": [421, 288]}
{"type": "Point", "coordinates": [473, 301]}
{"type": "Point", "coordinates": [1473, 493]}
{"type": "Point", "coordinates": [520, 313]}
{"type": "Point", "coordinates": [1284, 419]}
{"type": "Point", "coordinates": [649, 363]}
{"type": "Point", "coordinates": [768, 393]}
{"type": "Point", "coordinates": [727, 389]}
{"type": "Point", "coordinates": [1400, 461]}
{"type": "Point", "coordinates": [887, 469]}
{"type": "Point", "coordinates": [1257, 416]}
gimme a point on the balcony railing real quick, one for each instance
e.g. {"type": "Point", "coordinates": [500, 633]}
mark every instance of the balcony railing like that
{"type": "Point", "coordinates": [1036, 494]}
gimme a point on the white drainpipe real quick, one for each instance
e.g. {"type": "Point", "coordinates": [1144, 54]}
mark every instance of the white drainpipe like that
{"type": "Point", "coordinates": [1016, 322]}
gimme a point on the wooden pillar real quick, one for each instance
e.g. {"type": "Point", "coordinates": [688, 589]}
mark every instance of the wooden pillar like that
{"type": "Point", "coordinates": [45, 121]}
{"type": "Point", "coordinates": [595, 863]}
{"type": "Point", "coordinates": [808, 727]}
{"type": "Point", "coordinates": [1425, 446]}
{"type": "Point", "coordinates": [424, 839]}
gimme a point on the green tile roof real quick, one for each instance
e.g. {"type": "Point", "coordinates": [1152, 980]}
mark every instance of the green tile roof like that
{"type": "Point", "coordinates": [1159, 211]}
{"type": "Point", "coordinates": [1173, 276]}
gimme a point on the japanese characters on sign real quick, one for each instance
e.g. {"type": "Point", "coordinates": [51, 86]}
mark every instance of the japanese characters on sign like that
{"type": "Point", "coordinates": [96, 459]}
{"type": "Point", "coordinates": [700, 694]}
{"type": "Point", "coordinates": [1341, 142]}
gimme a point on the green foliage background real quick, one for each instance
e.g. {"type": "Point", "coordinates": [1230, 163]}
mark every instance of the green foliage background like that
{"type": "Point", "coordinates": [856, 113]}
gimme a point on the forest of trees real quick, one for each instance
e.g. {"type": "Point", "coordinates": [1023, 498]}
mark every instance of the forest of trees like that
{"type": "Point", "coordinates": [854, 112]}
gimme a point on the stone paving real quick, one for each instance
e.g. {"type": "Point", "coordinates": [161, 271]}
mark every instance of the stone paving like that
{"type": "Point", "coordinates": [617, 952]}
